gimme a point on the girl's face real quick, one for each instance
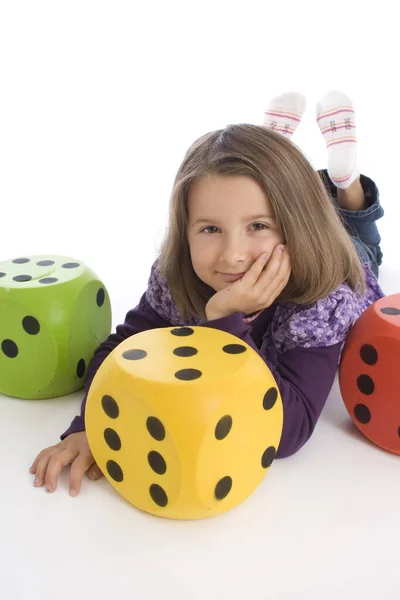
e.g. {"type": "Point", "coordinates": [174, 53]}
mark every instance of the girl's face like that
{"type": "Point", "coordinates": [230, 223]}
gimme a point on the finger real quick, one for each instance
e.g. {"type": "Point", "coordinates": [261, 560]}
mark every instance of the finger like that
{"type": "Point", "coordinates": [270, 272]}
{"type": "Point", "coordinates": [78, 469]}
{"type": "Point", "coordinates": [41, 468]}
{"type": "Point", "coordinates": [56, 464]}
{"type": "Point", "coordinates": [94, 472]}
{"type": "Point", "coordinates": [251, 276]}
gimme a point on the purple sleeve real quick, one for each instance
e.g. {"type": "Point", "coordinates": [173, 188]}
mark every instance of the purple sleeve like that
{"type": "Point", "coordinates": [304, 377]}
{"type": "Point", "coordinates": [141, 318]}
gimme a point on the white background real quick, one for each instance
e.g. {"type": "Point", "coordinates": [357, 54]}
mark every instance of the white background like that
{"type": "Point", "coordinates": [98, 103]}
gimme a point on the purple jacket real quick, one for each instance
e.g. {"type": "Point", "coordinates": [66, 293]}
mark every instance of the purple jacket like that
{"type": "Point", "coordinates": [301, 344]}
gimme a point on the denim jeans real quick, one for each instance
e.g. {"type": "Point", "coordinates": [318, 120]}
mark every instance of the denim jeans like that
{"type": "Point", "coordinates": [360, 224]}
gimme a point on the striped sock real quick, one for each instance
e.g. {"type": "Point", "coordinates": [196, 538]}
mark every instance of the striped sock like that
{"type": "Point", "coordinates": [336, 120]}
{"type": "Point", "coordinates": [284, 113]}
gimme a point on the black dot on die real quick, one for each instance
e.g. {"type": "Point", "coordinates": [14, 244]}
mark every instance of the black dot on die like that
{"type": "Point", "coordinates": [185, 351]}
{"type": "Point", "coordinates": [157, 462]}
{"type": "Point", "coordinates": [70, 265]}
{"type": "Point", "coordinates": [22, 278]}
{"type": "Point", "coordinates": [398, 432]}
{"type": "Point", "coordinates": [101, 295]}
{"type": "Point", "coordinates": [134, 354]}
{"type": "Point", "coordinates": [2, 275]}
{"type": "Point", "coordinates": [80, 368]}
{"type": "Point", "coordinates": [270, 398]}
{"type": "Point", "coordinates": [158, 495]}
{"type": "Point", "coordinates": [110, 406]}
{"type": "Point", "coordinates": [390, 310]}
{"type": "Point", "coordinates": [188, 374]}
{"type": "Point", "coordinates": [155, 428]}
{"type": "Point", "coordinates": [115, 471]}
{"type": "Point", "coordinates": [47, 280]}
{"type": "Point", "coordinates": [9, 348]}
{"type": "Point", "coordinates": [182, 331]}
{"type": "Point", "coordinates": [223, 427]}
{"type": "Point", "coordinates": [21, 261]}
{"type": "Point", "coordinates": [362, 413]}
{"type": "Point", "coordinates": [368, 354]}
{"type": "Point", "coordinates": [234, 348]}
{"type": "Point", "coordinates": [112, 439]}
{"type": "Point", "coordinates": [31, 325]}
{"type": "Point", "coordinates": [223, 488]}
{"type": "Point", "coordinates": [45, 263]}
{"type": "Point", "coordinates": [365, 384]}
{"type": "Point", "coordinates": [268, 457]}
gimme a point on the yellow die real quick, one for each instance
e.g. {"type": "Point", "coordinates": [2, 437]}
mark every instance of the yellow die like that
{"type": "Point", "coordinates": [185, 421]}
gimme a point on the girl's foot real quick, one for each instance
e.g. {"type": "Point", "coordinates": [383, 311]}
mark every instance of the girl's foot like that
{"type": "Point", "coordinates": [284, 113]}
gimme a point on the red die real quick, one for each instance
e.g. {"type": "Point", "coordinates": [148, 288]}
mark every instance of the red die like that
{"type": "Point", "coordinates": [369, 373]}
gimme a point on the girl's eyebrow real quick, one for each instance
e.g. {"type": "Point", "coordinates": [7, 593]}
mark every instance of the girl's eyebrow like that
{"type": "Point", "coordinates": [248, 218]}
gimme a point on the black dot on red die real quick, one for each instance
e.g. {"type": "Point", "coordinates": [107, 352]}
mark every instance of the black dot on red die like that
{"type": "Point", "coordinates": [185, 351]}
{"type": "Point", "coordinates": [101, 295]}
{"type": "Point", "coordinates": [223, 427]}
{"type": "Point", "coordinates": [22, 278]}
{"type": "Point", "coordinates": [112, 439]}
{"type": "Point", "coordinates": [182, 331]}
{"type": "Point", "coordinates": [223, 488]}
{"type": "Point", "coordinates": [134, 354]}
{"type": "Point", "coordinates": [365, 384]}
{"type": "Point", "coordinates": [362, 413]}
{"type": "Point", "coordinates": [188, 374]}
{"type": "Point", "coordinates": [369, 354]}
{"type": "Point", "coordinates": [270, 398]}
{"type": "Point", "coordinates": [398, 432]}
{"type": "Point", "coordinates": [390, 310]}
{"type": "Point", "coordinates": [80, 368]}
{"type": "Point", "coordinates": [155, 428]}
{"type": "Point", "coordinates": [31, 325]}
{"type": "Point", "coordinates": [268, 457]}
{"type": "Point", "coordinates": [9, 348]}
{"type": "Point", "coordinates": [158, 495]}
{"type": "Point", "coordinates": [21, 261]}
{"type": "Point", "coordinates": [115, 471]}
{"type": "Point", "coordinates": [110, 406]}
{"type": "Point", "coordinates": [157, 462]}
{"type": "Point", "coordinates": [234, 348]}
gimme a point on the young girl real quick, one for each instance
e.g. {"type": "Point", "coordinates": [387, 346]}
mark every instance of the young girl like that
{"type": "Point", "coordinates": [261, 246]}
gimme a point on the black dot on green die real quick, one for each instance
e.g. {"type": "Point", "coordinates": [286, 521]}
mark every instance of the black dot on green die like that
{"type": "Point", "coordinates": [268, 457]}
{"type": "Point", "coordinates": [390, 310]}
{"type": "Point", "coordinates": [362, 413]}
{"type": "Point", "coordinates": [188, 374]}
{"type": "Point", "coordinates": [234, 348]}
{"type": "Point", "coordinates": [223, 488]}
{"type": "Point", "coordinates": [134, 354]}
{"type": "Point", "coordinates": [368, 354]}
{"type": "Point", "coordinates": [100, 297]}
{"type": "Point", "coordinates": [45, 263]}
{"type": "Point", "coordinates": [223, 427]}
{"type": "Point", "coordinates": [112, 439]}
{"type": "Point", "coordinates": [70, 265]}
{"type": "Point", "coordinates": [365, 384]}
{"type": "Point", "coordinates": [270, 398]}
{"type": "Point", "coordinates": [110, 406]}
{"type": "Point", "coordinates": [185, 351]}
{"type": "Point", "coordinates": [9, 348]}
{"type": "Point", "coordinates": [22, 278]}
{"type": "Point", "coordinates": [182, 331]}
{"type": "Point", "coordinates": [157, 462]}
{"type": "Point", "coordinates": [31, 325]}
{"type": "Point", "coordinates": [48, 280]}
{"type": "Point", "coordinates": [80, 368]}
{"type": "Point", "coordinates": [155, 428]}
{"type": "Point", "coordinates": [2, 275]}
{"type": "Point", "coordinates": [158, 495]}
{"type": "Point", "coordinates": [115, 471]}
{"type": "Point", "coordinates": [21, 261]}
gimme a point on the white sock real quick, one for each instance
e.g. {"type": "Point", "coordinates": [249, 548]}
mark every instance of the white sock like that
{"type": "Point", "coordinates": [284, 113]}
{"type": "Point", "coordinates": [336, 120]}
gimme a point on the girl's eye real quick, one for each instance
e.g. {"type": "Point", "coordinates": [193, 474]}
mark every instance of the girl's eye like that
{"type": "Point", "coordinates": [262, 226]}
{"type": "Point", "coordinates": [209, 227]}
{"type": "Point", "coordinates": [258, 227]}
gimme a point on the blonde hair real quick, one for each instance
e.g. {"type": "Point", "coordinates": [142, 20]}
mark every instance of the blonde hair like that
{"type": "Point", "coordinates": [321, 252]}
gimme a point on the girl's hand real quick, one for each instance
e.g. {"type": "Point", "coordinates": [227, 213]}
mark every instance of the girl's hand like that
{"type": "Point", "coordinates": [73, 450]}
{"type": "Point", "coordinates": [256, 290]}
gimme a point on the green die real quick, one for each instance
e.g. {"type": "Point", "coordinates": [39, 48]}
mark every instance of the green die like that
{"type": "Point", "coordinates": [54, 313]}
